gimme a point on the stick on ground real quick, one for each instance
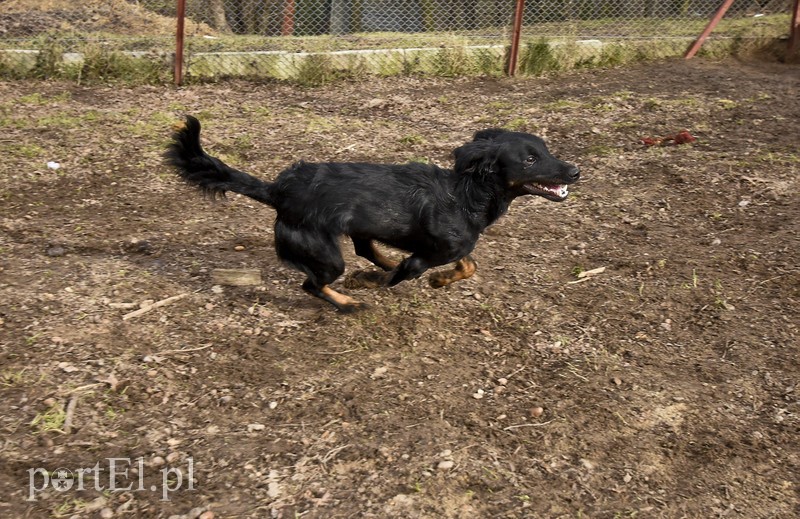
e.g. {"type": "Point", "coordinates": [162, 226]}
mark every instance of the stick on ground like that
{"type": "Point", "coordinates": [157, 304]}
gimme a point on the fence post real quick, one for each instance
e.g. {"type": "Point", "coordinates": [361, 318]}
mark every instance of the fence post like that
{"type": "Point", "coordinates": [794, 36]}
{"type": "Point", "coordinates": [181, 14]}
{"type": "Point", "coordinates": [512, 59]}
{"type": "Point", "coordinates": [287, 26]}
{"type": "Point", "coordinates": [710, 27]}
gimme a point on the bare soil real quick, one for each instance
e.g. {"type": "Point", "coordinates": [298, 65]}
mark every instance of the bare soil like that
{"type": "Point", "coordinates": [664, 386]}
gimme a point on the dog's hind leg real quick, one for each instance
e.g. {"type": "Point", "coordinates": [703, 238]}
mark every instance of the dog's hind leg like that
{"type": "Point", "coordinates": [370, 278]}
{"type": "Point", "coordinates": [343, 303]}
{"type": "Point", "coordinates": [318, 255]}
{"type": "Point", "coordinates": [463, 269]}
{"type": "Point", "coordinates": [366, 249]}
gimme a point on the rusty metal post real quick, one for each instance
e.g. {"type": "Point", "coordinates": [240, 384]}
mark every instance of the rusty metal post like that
{"type": "Point", "coordinates": [512, 59]}
{"type": "Point", "coordinates": [710, 27]}
{"type": "Point", "coordinates": [181, 14]}
{"type": "Point", "coordinates": [287, 27]}
{"type": "Point", "coordinates": [794, 35]}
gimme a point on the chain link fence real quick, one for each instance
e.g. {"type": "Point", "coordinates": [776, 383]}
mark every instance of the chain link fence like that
{"type": "Point", "coordinates": [312, 41]}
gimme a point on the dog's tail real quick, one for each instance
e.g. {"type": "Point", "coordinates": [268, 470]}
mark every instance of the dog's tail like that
{"type": "Point", "coordinates": [208, 173]}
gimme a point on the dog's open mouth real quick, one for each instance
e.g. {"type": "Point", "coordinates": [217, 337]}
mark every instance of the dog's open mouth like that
{"type": "Point", "coordinates": [555, 192]}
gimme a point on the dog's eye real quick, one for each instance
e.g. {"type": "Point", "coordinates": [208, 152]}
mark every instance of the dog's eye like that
{"type": "Point", "coordinates": [530, 159]}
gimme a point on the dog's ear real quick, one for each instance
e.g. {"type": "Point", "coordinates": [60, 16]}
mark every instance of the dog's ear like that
{"type": "Point", "coordinates": [488, 134]}
{"type": "Point", "coordinates": [477, 158]}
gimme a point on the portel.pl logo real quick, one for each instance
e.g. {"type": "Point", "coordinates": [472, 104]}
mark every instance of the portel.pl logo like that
{"type": "Point", "coordinates": [116, 475]}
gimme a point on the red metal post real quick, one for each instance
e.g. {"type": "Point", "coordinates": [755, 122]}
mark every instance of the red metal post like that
{"type": "Point", "coordinates": [794, 36]}
{"type": "Point", "coordinates": [287, 27]}
{"type": "Point", "coordinates": [178, 72]}
{"type": "Point", "coordinates": [710, 27]}
{"type": "Point", "coordinates": [512, 59]}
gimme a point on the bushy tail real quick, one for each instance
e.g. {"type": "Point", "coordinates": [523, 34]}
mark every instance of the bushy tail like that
{"type": "Point", "coordinates": [210, 174]}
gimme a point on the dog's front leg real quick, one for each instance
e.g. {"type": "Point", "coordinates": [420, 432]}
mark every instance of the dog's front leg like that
{"type": "Point", "coordinates": [463, 269]}
{"type": "Point", "coordinates": [410, 268]}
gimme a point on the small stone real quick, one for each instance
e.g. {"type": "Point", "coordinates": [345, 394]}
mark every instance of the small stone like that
{"type": "Point", "coordinates": [239, 248]}
{"type": "Point", "coordinates": [208, 514]}
{"type": "Point", "coordinates": [445, 465]}
{"type": "Point", "coordinates": [226, 399]}
{"type": "Point", "coordinates": [256, 427]}
{"type": "Point", "coordinates": [66, 367]}
{"type": "Point", "coordinates": [172, 457]}
{"type": "Point", "coordinates": [502, 381]}
{"type": "Point", "coordinates": [379, 372]}
{"type": "Point", "coordinates": [536, 412]}
{"type": "Point", "coordinates": [106, 513]}
{"type": "Point", "coordinates": [157, 461]}
{"type": "Point", "coordinates": [374, 103]}
{"type": "Point", "coordinates": [617, 381]}
{"type": "Point", "coordinates": [212, 429]}
{"type": "Point", "coordinates": [56, 251]}
{"type": "Point", "coordinates": [217, 289]}
{"type": "Point", "coordinates": [273, 405]}
{"type": "Point", "coordinates": [140, 246]}
{"type": "Point", "coordinates": [446, 453]}
{"type": "Point", "coordinates": [49, 402]}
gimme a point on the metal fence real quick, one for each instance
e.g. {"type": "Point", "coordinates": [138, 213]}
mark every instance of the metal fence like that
{"type": "Point", "coordinates": [316, 40]}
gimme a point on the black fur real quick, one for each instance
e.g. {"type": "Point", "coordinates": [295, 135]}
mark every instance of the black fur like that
{"type": "Point", "coordinates": [435, 214]}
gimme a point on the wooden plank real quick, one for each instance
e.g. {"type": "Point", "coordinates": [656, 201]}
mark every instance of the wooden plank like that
{"type": "Point", "coordinates": [236, 277]}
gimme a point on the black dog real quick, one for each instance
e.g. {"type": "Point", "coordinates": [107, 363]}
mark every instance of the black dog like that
{"type": "Point", "coordinates": [435, 214]}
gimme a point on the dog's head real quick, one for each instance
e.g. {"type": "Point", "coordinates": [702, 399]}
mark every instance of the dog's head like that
{"type": "Point", "coordinates": [520, 162]}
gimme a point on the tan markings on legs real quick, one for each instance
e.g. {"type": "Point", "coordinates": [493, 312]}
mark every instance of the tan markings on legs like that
{"type": "Point", "coordinates": [463, 269]}
{"type": "Point", "coordinates": [336, 297]}
{"type": "Point", "coordinates": [383, 261]}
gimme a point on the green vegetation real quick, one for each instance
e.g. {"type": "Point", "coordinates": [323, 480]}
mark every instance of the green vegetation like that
{"type": "Point", "coordinates": [316, 60]}
{"type": "Point", "coordinates": [50, 420]}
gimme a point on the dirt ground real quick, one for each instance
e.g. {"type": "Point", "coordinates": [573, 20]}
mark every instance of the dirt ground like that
{"type": "Point", "coordinates": [664, 386]}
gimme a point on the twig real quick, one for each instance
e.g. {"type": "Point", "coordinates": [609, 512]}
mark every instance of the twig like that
{"type": "Point", "coordinates": [84, 388]}
{"type": "Point", "coordinates": [70, 414]}
{"type": "Point", "coordinates": [526, 425]}
{"type": "Point", "coordinates": [337, 352]}
{"type": "Point", "coordinates": [167, 352]}
{"type": "Point", "coordinates": [333, 452]}
{"type": "Point", "coordinates": [157, 304]}
{"type": "Point", "coordinates": [515, 372]}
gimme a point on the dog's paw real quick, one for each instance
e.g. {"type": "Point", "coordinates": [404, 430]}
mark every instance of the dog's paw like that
{"type": "Point", "coordinates": [351, 308]}
{"type": "Point", "coordinates": [365, 279]}
{"type": "Point", "coordinates": [439, 279]}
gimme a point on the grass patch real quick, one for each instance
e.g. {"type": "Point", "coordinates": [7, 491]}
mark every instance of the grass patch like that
{"type": "Point", "coordinates": [27, 151]}
{"type": "Point", "coordinates": [51, 420]}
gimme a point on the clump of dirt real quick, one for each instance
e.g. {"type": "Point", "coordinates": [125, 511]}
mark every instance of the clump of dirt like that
{"type": "Point", "coordinates": [23, 18]}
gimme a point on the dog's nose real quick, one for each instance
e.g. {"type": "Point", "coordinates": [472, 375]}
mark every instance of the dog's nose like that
{"type": "Point", "coordinates": [574, 173]}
